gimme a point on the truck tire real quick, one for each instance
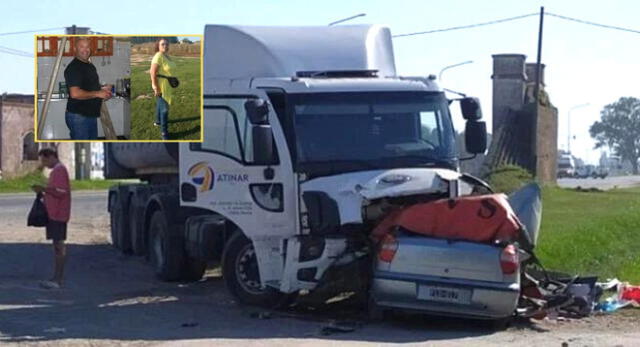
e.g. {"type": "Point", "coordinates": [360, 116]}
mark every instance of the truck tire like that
{"type": "Point", "coordinates": [120, 237]}
{"type": "Point", "coordinates": [166, 251]}
{"type": "Point", "coordinates": [136, 230]}
{"type": "Point", "coordinates": [241, 276]}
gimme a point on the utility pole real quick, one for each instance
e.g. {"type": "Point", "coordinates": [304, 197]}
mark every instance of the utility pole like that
{"type": "Point", "coordinates": [536, 91]}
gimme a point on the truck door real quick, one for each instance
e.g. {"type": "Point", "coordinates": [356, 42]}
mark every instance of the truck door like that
{"type": "Point", "coordinates": [226, 174]}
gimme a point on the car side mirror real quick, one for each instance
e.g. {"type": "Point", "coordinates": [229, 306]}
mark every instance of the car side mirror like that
{"type": "Point", "coordinates": [257, 111]}
{"type": "Point", "coordinates": [470, 108]}
{"type": "Point", "coordinates": [475, 137]}
{"type": "Point", "coordinates": [263, 145]}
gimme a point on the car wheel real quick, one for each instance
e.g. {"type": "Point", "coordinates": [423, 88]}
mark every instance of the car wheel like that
{"type": "Point", "coordinates": [375, 313]}
{"type": "Point", "coordinates": [241, 275]}
{"type": "Point", "coordinates": [500, 324]}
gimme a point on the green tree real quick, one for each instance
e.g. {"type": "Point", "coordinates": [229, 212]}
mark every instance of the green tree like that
{"type": "Point", "coordinates": [619, 129]}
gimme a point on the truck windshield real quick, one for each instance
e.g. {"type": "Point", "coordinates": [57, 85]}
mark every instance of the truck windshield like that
{"type": "Point", "coordinates": [372, 130]}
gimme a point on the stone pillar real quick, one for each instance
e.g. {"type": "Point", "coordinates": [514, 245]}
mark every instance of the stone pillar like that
{"type": "Point", "coordinates": [531, 80]}
{"type": "Point", "coordinates": [508, 86]}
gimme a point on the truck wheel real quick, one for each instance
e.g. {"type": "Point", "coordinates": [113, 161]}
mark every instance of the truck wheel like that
{"type": "Point", "coordinates": [240, 273]}
{"type": "Point", "coordinates": [120, 237]}
{"type": "Point", "coordinates": [165, 248]}
{"type": "Point", "coordinates": [138, 246]}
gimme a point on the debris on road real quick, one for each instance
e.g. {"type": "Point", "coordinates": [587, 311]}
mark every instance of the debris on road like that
{"type": "Point", "coordinates": [625, 295]}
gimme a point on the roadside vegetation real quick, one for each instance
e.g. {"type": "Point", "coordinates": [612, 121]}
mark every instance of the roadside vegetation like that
{"type": "Point", "coordinates": [184, 113]}
{"type": "Point", "coordinates": [583, 231]}
{"type": "Point", "coordinates": [23, 184]}
{"type": "Point", "coordinates": [508, 178]}
{"type": "Point", "coordinates": [591, 232]}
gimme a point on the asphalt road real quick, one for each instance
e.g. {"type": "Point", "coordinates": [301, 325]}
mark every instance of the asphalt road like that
{"type": "Point", "coordinates": [604, 184]}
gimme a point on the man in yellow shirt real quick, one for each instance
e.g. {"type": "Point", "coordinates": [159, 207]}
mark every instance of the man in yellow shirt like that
{"type": "Point", "coordinates": [161, 67]}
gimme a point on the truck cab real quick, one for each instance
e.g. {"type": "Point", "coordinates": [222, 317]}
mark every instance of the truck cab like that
{"type": "Point", "coordinates": [310, 140]}
{"type": "Point", "coordinates": [309, 137]}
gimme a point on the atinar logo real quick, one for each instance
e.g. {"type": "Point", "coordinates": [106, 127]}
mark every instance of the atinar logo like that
{"type": "Point", "coordinates": [202, 175]}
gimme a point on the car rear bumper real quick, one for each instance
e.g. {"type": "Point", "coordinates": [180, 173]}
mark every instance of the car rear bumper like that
{"type": "Point", "coordinates": [489, 300]}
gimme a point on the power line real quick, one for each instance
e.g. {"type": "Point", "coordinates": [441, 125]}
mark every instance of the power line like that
{"type": "Point", "coordinates": [593, 23]}
{"type": "Point", "coordinates": [469, 26]}
{"type": "Point", "coordinates": [30, 31]}
{"type": "Point", "coordinates": [8, 50]}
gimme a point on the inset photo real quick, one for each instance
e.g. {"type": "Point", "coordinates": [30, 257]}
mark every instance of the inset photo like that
{"type": "Point", "coordinates": [118, 88]}
{"type": "Point", "coordinates": [166, 81]}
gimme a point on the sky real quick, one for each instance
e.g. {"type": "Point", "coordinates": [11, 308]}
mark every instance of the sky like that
{"type": "Point", "coordinates": [585, 64]}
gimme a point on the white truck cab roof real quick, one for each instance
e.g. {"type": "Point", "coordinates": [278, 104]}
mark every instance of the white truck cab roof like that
{"type": "Point", "coordinates": [303, 59]}
{"type": "Point", "coordinates": [233, 52]}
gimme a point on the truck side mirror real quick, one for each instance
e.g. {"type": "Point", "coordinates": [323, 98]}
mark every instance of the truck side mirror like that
{"type": "Point", "coordinates": [257, 111]}
{"type": "Point", "coordinates": [470, 108]}
{"type": "Point", "coordinates": [475, 137]}
{"type": "Point", "coordinates": [263, 145]}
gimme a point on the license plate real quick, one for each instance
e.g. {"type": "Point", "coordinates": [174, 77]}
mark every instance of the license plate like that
{"type": "Point", "coordinates": [444, 294]}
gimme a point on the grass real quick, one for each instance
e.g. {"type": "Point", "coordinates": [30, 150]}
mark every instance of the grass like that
{"type": "Point", "coordinates": [23, 184]}
{"type": "Point", "coordinates": [591, 233]}
{"type": "Point", "coordinates": [184, 114]}
{"type": "Point", "coordinates": [508, 178]}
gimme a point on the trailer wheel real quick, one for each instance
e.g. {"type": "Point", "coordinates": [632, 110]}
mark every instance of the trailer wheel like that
{"type": "Point", "coordinates": [240, 273]}
{"type": "Point", "coordinates": [165, 248]}
{"type": "Point", "coordinates": [115, 217]}
{"type": "Point", "coordinates": [120, 237]}
{"type": "Point", "coordinates": [136, 230]}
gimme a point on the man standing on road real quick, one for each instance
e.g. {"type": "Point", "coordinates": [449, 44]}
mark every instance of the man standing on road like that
{"type": "Point", "coordinates": [85, 94]}
{"type": "Point", "coordinates": [57, 200]}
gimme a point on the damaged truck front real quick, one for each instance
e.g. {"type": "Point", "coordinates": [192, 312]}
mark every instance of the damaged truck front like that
{"type": "Point", "coordinates": [310, 141]}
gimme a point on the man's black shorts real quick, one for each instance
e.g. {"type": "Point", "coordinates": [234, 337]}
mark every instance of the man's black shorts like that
{"type": "Point", "coordinates": [56, 231]}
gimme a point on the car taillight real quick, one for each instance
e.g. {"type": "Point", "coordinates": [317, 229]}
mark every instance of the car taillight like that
{"type": "Point", "coordinates": [509, 260]}
{"type": "Point", "coordinates": [388, 248]}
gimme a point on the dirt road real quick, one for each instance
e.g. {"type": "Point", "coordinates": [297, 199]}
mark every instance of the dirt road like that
{"type": "Point", "coordinates": [111, 299]}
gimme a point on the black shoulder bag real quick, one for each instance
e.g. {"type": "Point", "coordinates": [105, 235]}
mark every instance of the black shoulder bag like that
{"type": "Point", "coordinates": [173, 81]}
{"type": "Point", "coordinates": [38, 214]}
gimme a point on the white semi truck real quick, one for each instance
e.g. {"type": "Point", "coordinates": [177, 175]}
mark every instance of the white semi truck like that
{"type": "Point", "coordinates": [309, 138]}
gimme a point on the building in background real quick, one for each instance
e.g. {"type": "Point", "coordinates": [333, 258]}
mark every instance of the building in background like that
{"type": "Point", "coordinates": [18, 149]}
{"type": "Point", "coordinates": [524, 133]}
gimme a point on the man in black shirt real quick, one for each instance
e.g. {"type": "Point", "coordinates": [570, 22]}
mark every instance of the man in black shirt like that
{"type": "Point", "coordinates": [85, 94]}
